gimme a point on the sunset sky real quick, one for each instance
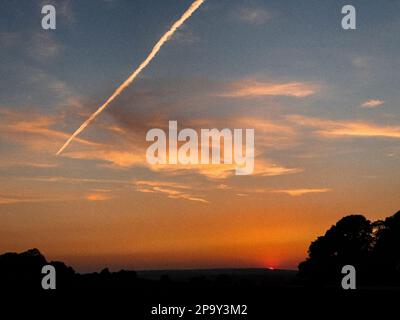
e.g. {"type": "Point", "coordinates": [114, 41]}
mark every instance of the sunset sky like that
{"type": "Point", "coordinates": [324, 104]}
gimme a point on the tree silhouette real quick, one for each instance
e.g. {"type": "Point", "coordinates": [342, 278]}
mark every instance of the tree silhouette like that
{"type": "Point", "coordinates": [386, 254]}
{"type": "Point", "coordinates": [347, 242]}
{"type": "Point", "coordinates": [21, 270]}
{"type": "Point", "coordinates": [372, 248]}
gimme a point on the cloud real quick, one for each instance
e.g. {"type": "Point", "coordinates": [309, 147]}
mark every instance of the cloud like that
{"type": "Point", "coordinates": [337, 129]}
{"type": "Point", "coordinates": [373, 103]}
{"type": "Point", "coordinates": [254, 16]}
{"type": "Point", "coordinates": [253, 88]}
{"type": "Point", "coordinates": [361, 62]}
{"type": "Point", "coordinates": [33, 130]}
{"type": "Point", "coordinates": [43, 81]}
{"type": "Point", "coordinates": [223, 187]}
{"type": "Point", "coordinates": [133, 76]}
{"type": "Point", "coordinates": [116, 158]}
{"type": "Point", "coordinates": [11, 199]}
{"type": "Point", "coordinates": [267, 169]}
{"type": "Point", "coordinates": [43, 46]}
{"type": "Point", "coordinates": [126, 147]}
{"type": "Point", "coordinates": [123, 145]}
{"type": "Point", "coordinates": [98, 197]}
{"type": "Point", "coordinates": [29, 87]}
{"type": "Point", "coordinates": [156, 184]}
{"type": "Point", "coordinates": [41, 165]}
{"type": "Point", "coordinates": [186, 36]}
{"type": "Point", "coordinates": [263, 168]}
{"type": "Point", "coordinates": [17, 199]}
{"type": "Point", "coordinates": [170, 189]}
{"type": "Point", "coordinates": [269, 134]}
{"type": "Point", "coordinates": [277, 133]}
{"type": "Point", "coordinates": [102, 190]}
{"type": "Point", "coordinates": [300, 192]}
{"type": "Point", "coordinates": [60, 179]}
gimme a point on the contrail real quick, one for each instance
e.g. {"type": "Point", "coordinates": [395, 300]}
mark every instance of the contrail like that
{"type": "Point", "coordinates": [194, 6]}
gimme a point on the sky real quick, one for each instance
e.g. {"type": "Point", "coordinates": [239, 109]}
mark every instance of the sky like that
{"type": "Point", "coordinates": [323, 101]}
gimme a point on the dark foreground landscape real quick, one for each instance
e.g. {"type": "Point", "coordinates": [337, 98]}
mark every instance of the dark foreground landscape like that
{"type": "Point", "coordinates": [133, 295]}
{"type": "Point", "coordinates": [315, 290]}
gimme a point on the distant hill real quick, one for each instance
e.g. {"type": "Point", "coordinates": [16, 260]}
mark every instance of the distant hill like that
{"type": "Point", "coordinates": [23, 270]}
{"type": "Point", "coordinates": [255, 274]}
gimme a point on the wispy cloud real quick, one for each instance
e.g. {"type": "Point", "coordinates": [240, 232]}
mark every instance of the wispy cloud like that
{"type": "Point", "coordinates": [253, 15]}
{"type": "Point", "coordinates": [43, 46]}
{"type": "Point", "coordinates": [338, 128]}
{"type": "Point", "coordinates": [267, 169]}
{"type": "Point", "coordinates": [301, 192]}
{"type": "Point", "coordinates": [262, 167]}
{"type": "Point", "coordinates": [130, 150]}
{"type": "Point", "coordinates": [295, 192]}
{"type": "Point", "coordinates": [98, 196]}
{"type": "Point", "coordinates": [44, 81]}
{"type": "Point", "coordinates": [153, 53]}
{"type": "Point", "coordinates": [361, 62]}
{"type": "Point", "coordinates": [6, 199]}
{"type": "Point", "coordinates": [223, 187]}
{"type": "Point", "coordinates": [15, 199]}
{"type": "Point", "coordinates": [156, 184]}
{"type": "Point", "coordinates": [186, 36]}
{"type": "Point", "coordinates": [254, 88]}
{"type": "Point", "coordinates": [270, 134]}
{"type": "Point", "coordinates": [170, 189]}
{"type": "Point", "coordinates": [41, 165]}
{"type": "Point", "coordinates": [35, 131]}
{"type": "Point", "coordinates": [61, 179]}
{"type": "Point", "coordinates": [116, 158]}
{"type": "Point", "coordinates": [373, 103]}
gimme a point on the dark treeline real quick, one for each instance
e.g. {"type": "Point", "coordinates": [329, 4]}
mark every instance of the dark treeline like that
{"type": "Point", "coordinates": [373, 248]}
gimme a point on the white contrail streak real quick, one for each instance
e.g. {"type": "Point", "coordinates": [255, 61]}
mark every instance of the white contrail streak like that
{"type": "Point", "coordinates": [195, 5]}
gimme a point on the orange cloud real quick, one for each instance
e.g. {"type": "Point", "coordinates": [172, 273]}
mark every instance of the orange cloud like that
{"type": "Point", "coordinates": [11, 163]}
{"type": "Point", "coordinates": [132, 153]}
{"type": "Point", "coordinates": [156, 184]}
{"type": "Point", "coordinates": [98, 197]}
{"type": "Point", "coordinates": [123, 159]}
{"type": "Point", "coordinates": [253, 88]}
{"type": "Point", "coordinates": [222, 171]}
{"type": "Point", "coordinates": [373, 103]}
{"type": "Point", "coordinates": [170, 189]}
{"type": "Point", "coordinates": [14, 199]}
{"type": "Point", "coordinates": [34, 131]}
{"type": "Point", "coordinates": [332, 129]}
{"type": "Point", "coordinates": [300, 192]}
{"type": "Point", "coordinates": [8, 200]}
{"type": "Point", "coordinates": [264, 168]}
{"type": "Point", "coordinates": [60, 179]}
